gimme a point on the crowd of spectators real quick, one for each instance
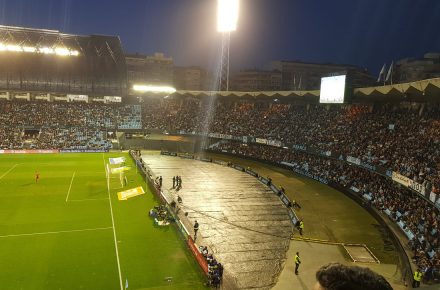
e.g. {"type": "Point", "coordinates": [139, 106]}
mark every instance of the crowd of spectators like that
{"type": "Point", "coordinates": [62, 125]}
{"type": "Point", "coordinates": [64, 114]}
{"type": "Point", "coordinates": [419, 219]}
{"type": "Point", "coordinates": [10, 137]}
{"type": "Point", "coordinates": [71, 138]}
{"type": "Point", "coordinates": [401, 137]}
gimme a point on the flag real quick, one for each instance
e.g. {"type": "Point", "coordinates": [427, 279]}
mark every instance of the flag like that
{"type": "Point", "coordinates": [382, 73]}
{"type": "Point", "coordinates": [390, 71]}
{"type": "Point", "coordinates": [126, 283]}
{"type": "Point", "coordinates": [117, 160]}
{"type": "Point", "coordinates": [119, 169]}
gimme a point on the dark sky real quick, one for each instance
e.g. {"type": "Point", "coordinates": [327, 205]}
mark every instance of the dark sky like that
{"type": "Point", "coordinates": [367, 33]}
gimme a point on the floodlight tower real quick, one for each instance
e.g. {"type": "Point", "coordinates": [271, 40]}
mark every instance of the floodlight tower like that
{"type": "Point", "coordinates": [227, 18]}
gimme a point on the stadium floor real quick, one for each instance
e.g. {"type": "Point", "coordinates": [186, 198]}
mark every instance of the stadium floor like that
{"type": "Point", "coordinates": [241, 220]}
{"type": "Point", "coordinates": [58, 233]}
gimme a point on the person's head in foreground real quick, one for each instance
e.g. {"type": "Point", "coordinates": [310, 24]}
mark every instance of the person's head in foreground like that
{"type": "Point", "coordinates": [336, 276]}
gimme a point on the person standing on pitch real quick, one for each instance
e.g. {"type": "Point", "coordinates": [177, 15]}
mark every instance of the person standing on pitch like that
{"type": "Point", "coordinates": [174, 181]}
{"type": "Point", "coordinates": [37, 176]}
{"type": "Point", "coordinates": [297, 262]}
{"type": "Point", "coordinates": [196, 228]}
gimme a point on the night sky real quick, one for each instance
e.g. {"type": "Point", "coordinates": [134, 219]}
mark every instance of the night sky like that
{"type": "Point", "coordinates": [367, 33]}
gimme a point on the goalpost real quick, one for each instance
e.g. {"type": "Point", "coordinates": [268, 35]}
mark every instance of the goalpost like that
{"type": "Point", "coordinates": [116, 172]}
{"type": "Point", "coordinates": [123, 179]}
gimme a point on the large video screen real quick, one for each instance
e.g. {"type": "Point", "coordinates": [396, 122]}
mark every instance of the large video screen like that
{"type": "Point", "coordinates": [332, 90]}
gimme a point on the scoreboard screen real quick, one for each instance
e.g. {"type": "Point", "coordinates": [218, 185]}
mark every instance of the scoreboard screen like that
{"type": "Point", "coordinates": [332, 89]}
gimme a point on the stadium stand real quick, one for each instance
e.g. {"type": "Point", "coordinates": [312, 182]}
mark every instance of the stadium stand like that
{"type": "Point", "coordinates": [43, 125]}
{"type": "Point", "coordinates": [43, 69]}
{"type": "Point", "coordinates": [396, 137]}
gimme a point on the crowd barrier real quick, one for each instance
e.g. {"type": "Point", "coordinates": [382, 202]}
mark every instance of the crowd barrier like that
{"type": "Point", "coordinates": [83, 150]}
{"type": "Point", "coordinates": [199, 257]}
{"type": "Point", "coordinates": [29, 151]}
{"type": "Point", "coordinates": [52, 151]}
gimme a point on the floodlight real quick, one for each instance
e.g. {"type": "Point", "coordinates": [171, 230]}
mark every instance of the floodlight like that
{"type": "Point", "coordinates": [62, 51]}
{"type": "Point", "coordinates": [46, 50]}
{"type": "Point", "coordinates": [227, 15]}
{"type": "Point", "coordinates": [11, 47]}
{"type": "Point", "coordinates": [154, 89]}
{"type": "Point", "coordinates": [29, 49]}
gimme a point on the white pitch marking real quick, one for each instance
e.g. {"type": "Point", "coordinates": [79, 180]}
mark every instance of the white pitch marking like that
{"type": "Point", "coordinates": [70, 187]}
{"type": "Point", "coordinates": [10, 169]}
{"type": "Point", "coordinates": [50, 233]}
{"type": "Point", "coordinates": [87, 199]}
{"type": "Point", "coordinates": [113, 225]}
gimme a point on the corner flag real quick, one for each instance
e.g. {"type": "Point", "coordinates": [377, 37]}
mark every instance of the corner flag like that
{"type": "Point", "coordinates": [382, 73]}
{"type": "Point", "coordinates": [126, 283]}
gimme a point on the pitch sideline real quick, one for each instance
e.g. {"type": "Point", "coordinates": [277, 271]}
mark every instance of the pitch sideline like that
{"type": "Point", "coordinates": [53, 232]}
{"type": "Point", "coordinates": [88, 199]}
{"type": "Point", "coordinates": [70, 187]}
{"type": "Point", "coordinates": [10, 169]}
{"type": "Point", "coordinates": [113, 223]}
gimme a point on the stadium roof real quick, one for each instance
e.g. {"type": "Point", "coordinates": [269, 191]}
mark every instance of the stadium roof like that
{"type": "Point", "coordinates": [91, 45]}
{"type": "Point", "coordinates": [250, 94]}
{"type": "Point", "coordinates": [284, 61]}
{"type": "Point", "coordinates": [424, 90]}
{"type": "Point", "coordinates": [48, 60]}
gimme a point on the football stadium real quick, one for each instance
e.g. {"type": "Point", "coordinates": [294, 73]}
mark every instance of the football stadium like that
{"type": "Point", "coordinates": [124, 171]}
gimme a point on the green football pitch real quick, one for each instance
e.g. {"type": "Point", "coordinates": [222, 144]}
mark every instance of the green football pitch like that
{"type": "Point", "coordinates": [70, 231]}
